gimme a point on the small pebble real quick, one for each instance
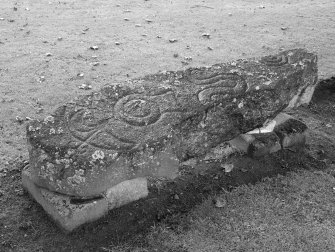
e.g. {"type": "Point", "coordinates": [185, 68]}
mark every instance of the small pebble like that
{"type": "Point", "coordinates": [176, 55]}
{"type": "Point", "coordinates": [328, 125]}
{"type": "Point", "coordinates": [284, 28]}
{"type": "Point", "coordinates": [261, 7]}
{"type": "Point", "coordinates": [95, 63]}
{"type": "Point", "coordinates": [94, 48]}
{"type": "Point", "coordinates": [19, 119]}
{"type": "Point", "coordinates": [138, 25]}
{"type": "Point", "coordinates": [127, 10]}
{"type": "Point", "coordinates": [206, 35]}
{"type": "Point", "coordinates": [27, 9]}
{"type": "Point", "coordinates": [188, 58]}
{"type": "Point", "coordinates": [85, 86]}
{"type": "Point", "coordinates": [15, 8]}
{"type": "Point", "coordinates": [209, 48]}
{"type": "Point", "coordinates": [173, 40]}
{"type": "Point", "coordinates": [126, 19]}
{"type": "Point", "coordinates": [148, 21]}
{"type": "Point", "coordinates": [227, 167]}
{"type": "Point", "coordinates": [80, 74]}
{"type": "Point", "coordinates": [230, 14]}
{"type": "Point", "coordinates": [158, 36]}
{"type": "Point", "coordinates": [59, 38]}
{"type": "Point", "coordinates": [176, 197]}
{"type": "Point", "coordinates": [117, 43]}
{"type": "Point", "coordinates": [2, 19]}
{"type": "Point", "coordinates": [219, 203]}
{"type": "Point", "coordinates": [48, 54]}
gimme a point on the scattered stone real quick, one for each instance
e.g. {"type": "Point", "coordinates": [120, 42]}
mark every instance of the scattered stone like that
{"type": "Point", "coordinates": [19, 119]}
{"type": "Point", "coordinates": [173, 40]}
{"type": "Point", "coordinates": [59, 38]}
{"type": "Point", "coordinates": [48, 54]}
{"type": "Point", "coordinates": [95, 63]}
{"type": "Point", "coordinates": [261, 6]}
{"type": "Point", "coordinates": [209, 48]}
{"type": "Point", "coordinates": [2, 19]}
{"type": "Point", "coordinates": [263, 144]}
{"type": "Point", "coordinates": [138, 25]}
{"type": "Point", "coordinates": [116, 139]}
{"type": "Point", "coordinates": [85, 86]}
{"type": "Point", "coordinates": [158, 36]}
{"type": "Point", "coordinates": [188, 58]}
{"type": "Point", "coordinates": [328, 125]}
{"type": "Point", "coordinates": [81, 75]}
{"type": "Point", "coordinates": [206, 35]}
{"type": "Point", "coordinates": [284, 28]}
{"type": "Point", "coordinates": [94, 48]}
{"type": "Point", "coordinates": [126, 19]}
{"type": "Point", "coordinates": [41, 78]}
{"type": "Point", "coordinates": [185, 62]}
{"type": "Point", "coordinates": [176, 197]}
{"type": "Point", "coordinates": [117, 43]}
{"type": "Point", "coordinates": [219, 202]}
{"type": "Point", "coordinates": [11, 20]}
{"type": "Point", "coordinates": [148, 20]}
{"type": "Point", "coordinates": [227, 167]}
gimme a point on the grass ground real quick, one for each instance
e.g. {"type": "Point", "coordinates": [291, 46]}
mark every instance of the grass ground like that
{"type": "Point", "coordinates": [285, 213]}
{"type": "Point", "coordinates": [291, 213]}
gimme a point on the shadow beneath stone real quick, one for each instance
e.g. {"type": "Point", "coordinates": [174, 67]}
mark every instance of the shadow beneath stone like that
{"type": "Point", "coordinates": [181, 195]}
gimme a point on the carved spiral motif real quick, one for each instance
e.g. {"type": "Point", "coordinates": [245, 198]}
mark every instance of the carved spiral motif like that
{"type": "Point", "coordinates": [83, 123]}
{"type": "Point", "coordinates": [137, 110]}
{"type": "Point", "coordinates": [277, 60]}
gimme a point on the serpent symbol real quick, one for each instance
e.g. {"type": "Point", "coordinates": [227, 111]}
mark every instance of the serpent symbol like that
{"type": "Point", "coordinates": [216, 86]}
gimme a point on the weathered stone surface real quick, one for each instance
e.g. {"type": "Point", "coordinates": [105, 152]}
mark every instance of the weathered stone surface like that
{"type": "Point", "coordinates": [148, 126]}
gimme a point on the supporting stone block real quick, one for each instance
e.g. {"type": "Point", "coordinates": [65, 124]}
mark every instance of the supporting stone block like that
{"type": "Point", "coordinates": [101, 148]}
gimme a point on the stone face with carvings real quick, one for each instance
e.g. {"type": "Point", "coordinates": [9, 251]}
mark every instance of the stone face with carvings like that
{"type": "Point", "coordinates": [107, 143]}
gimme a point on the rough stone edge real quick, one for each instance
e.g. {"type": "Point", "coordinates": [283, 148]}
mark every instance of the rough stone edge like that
{"type": "Point", "coordinates": [95, 210]}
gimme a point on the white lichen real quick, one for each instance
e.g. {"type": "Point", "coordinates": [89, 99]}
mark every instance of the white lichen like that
{"type": "Point", "coordinates": [98, 155]}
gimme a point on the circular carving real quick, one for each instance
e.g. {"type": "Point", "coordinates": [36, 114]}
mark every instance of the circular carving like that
{"type": "Point", "coordinates": [137, 110]}
{"type": "Point", "coordinates": [83, 123]}
{"type": "Point", "coordinates": [276, 60]}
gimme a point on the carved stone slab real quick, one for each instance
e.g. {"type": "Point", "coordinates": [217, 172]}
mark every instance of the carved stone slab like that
{"type": "Point", "coordinates": [146, 127]}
